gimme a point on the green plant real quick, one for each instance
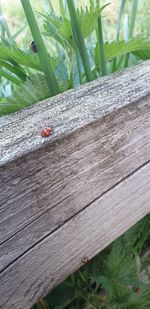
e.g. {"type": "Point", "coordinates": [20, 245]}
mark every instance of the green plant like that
{"type": "Point", "coordinates": [131, 26]}
{"type": "Point", "coordinates": [121, 11]}
{"type": "Point", "coordinates": [78, 39]}
{"type": "Point", "coordinates": [42, 52]}
{"type": "Point", "coordinates": [79, 51]}
{"type": "Point", "coordinates": [100, 45]}
{"type": "Point", "coordinates": [111, 280]}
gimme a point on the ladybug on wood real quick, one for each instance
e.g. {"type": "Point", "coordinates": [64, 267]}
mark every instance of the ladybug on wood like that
{"type": "Point", "coordinates": [85, 260]}
{"type": "Point", "coordinates": [46, 132]}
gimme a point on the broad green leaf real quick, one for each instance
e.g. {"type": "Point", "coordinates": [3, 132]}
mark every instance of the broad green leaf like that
{"type": "Point", "coordinates": [23, 58]}
{"type": "Point", "coordinates": [119, 294]}
{"type": "Point", "coordinates": [122, 266]}
{"type": "Point", "coordinates": [118, 48]}
{"type": "Point", "coordinates": [32, 91]}
{"type": "Point", "coordinates": [143, 54]}
{"type": "Point", "coordinates": [88, 19]}
{"type": "Point", "coordinates": [60, 28]}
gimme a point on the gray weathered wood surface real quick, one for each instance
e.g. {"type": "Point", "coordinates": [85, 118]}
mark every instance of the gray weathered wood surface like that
{"type": "Point", "coordinates": [70, 195]}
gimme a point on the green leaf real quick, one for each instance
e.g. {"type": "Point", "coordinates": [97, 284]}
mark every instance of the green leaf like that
{"type": "Point", "coordinates": [79, 40]}
{"type": "Point", "coordinates": [12, 59]}
{"type": "Point", "coordinates": [11, 77]}
{"type": "Point", "coordinates": [13, 53]}
{"type": "Point", "coordinates": [139, 234]}
{"type": "Point", "coordinates": [88, 18]}
{"type": "Point", "coordinates": [41, 48]}
{"type": "Point", "coordinates": [32, 91]}
{"type": "Point", "coordinates": [61, 296]}
{"type": "Point", "coordinates": [121, 264]}
{"type": "Point", "coordinates": [119, 295]}
{"type": "Point", "coordinates": [118, 48]}
{"type": "Point", "coordinates": [58, 28]}
{"type": "Point", "coordinates": [101, 280]}
{"type": "Point", "coordinates": [15, 69]}
{"type": "Point", "coordinates": [143, 54]}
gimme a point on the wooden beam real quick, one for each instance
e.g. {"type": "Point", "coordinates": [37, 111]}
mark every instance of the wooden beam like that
{"type": "Point", "coordinates": [101, 136]}
{"type": "Point", "coordinates": [48, 263]}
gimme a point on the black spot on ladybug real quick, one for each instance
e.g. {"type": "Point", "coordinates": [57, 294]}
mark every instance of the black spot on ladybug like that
{"type": "Point", "coordinates": [33, 47]}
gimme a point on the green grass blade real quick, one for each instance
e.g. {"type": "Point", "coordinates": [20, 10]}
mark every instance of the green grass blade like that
{"type": "Point", "coordinates": [33, 90]}
{"type": "Point", "coordinates": [13, 69]}
{"type": "Point", "coordinates": [79, 40]}
{"type": "Point", "coordinates": [50, 5]}
{"type": "Point", "coordinates": [131, 26]}
{"type": "Point", "coordinates": [8, 75]}
{"type": "Point", "coordinates": [101, 45]}
{"type": "Point", "coordinates": [42, 52]}
{"type": "Point", "coordinates": [1, 11]}
{"type": "Point", "coordinates": [78, 65]}
{"type": "Point", "coordinates": [126, 27]}
{"type": "Point", "coordinates": [62, 8]}
{"type": "Point", "coordinates": [121, 11]}
{"type": "Point", "coordinates": [133, 17]}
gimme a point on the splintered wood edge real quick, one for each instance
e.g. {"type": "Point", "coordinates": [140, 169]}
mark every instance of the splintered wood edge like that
{"type": "Point", "coordinates": [55, 257]}
{"type": "Point", "coordinates": [67, 112]}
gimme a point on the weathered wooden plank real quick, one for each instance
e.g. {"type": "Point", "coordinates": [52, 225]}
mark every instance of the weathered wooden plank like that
{"type": "Point", "coordinates": [27, 184]}
{"type": "Point", "coordinates": [71, 110]}
{"type": "Point", "coordinates": [101, 134]}
{"type": "Point", "coordinates": [87, 233]}
{"type": "Point", "coordinates": [89, 160]}
{"type": "Point", "coordinates": [116, 155]}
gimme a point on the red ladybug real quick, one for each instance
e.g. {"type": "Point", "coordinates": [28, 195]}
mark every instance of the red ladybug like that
{"type": "Point", "coordinates": [46, 132]}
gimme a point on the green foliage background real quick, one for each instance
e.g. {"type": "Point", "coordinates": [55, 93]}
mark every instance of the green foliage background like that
{"type": "Point", "coordinates": [112, 279]}
{"type": "Point", "coordinates": [72, 57]}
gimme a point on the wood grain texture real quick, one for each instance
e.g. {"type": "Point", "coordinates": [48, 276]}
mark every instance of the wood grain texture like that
{"type": "Point", "coordinates": [87, 233]}
{"type": "Point", "coordinates": [89, 160]}
{"type": "Point", "coordinates": [101, 135]}
{"type": "Point", "coordinates": [108, 153]}
{"type": "Point", "coordinates": [71, 110]}
{"type": "Point", "coordinates": [74, 171]}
